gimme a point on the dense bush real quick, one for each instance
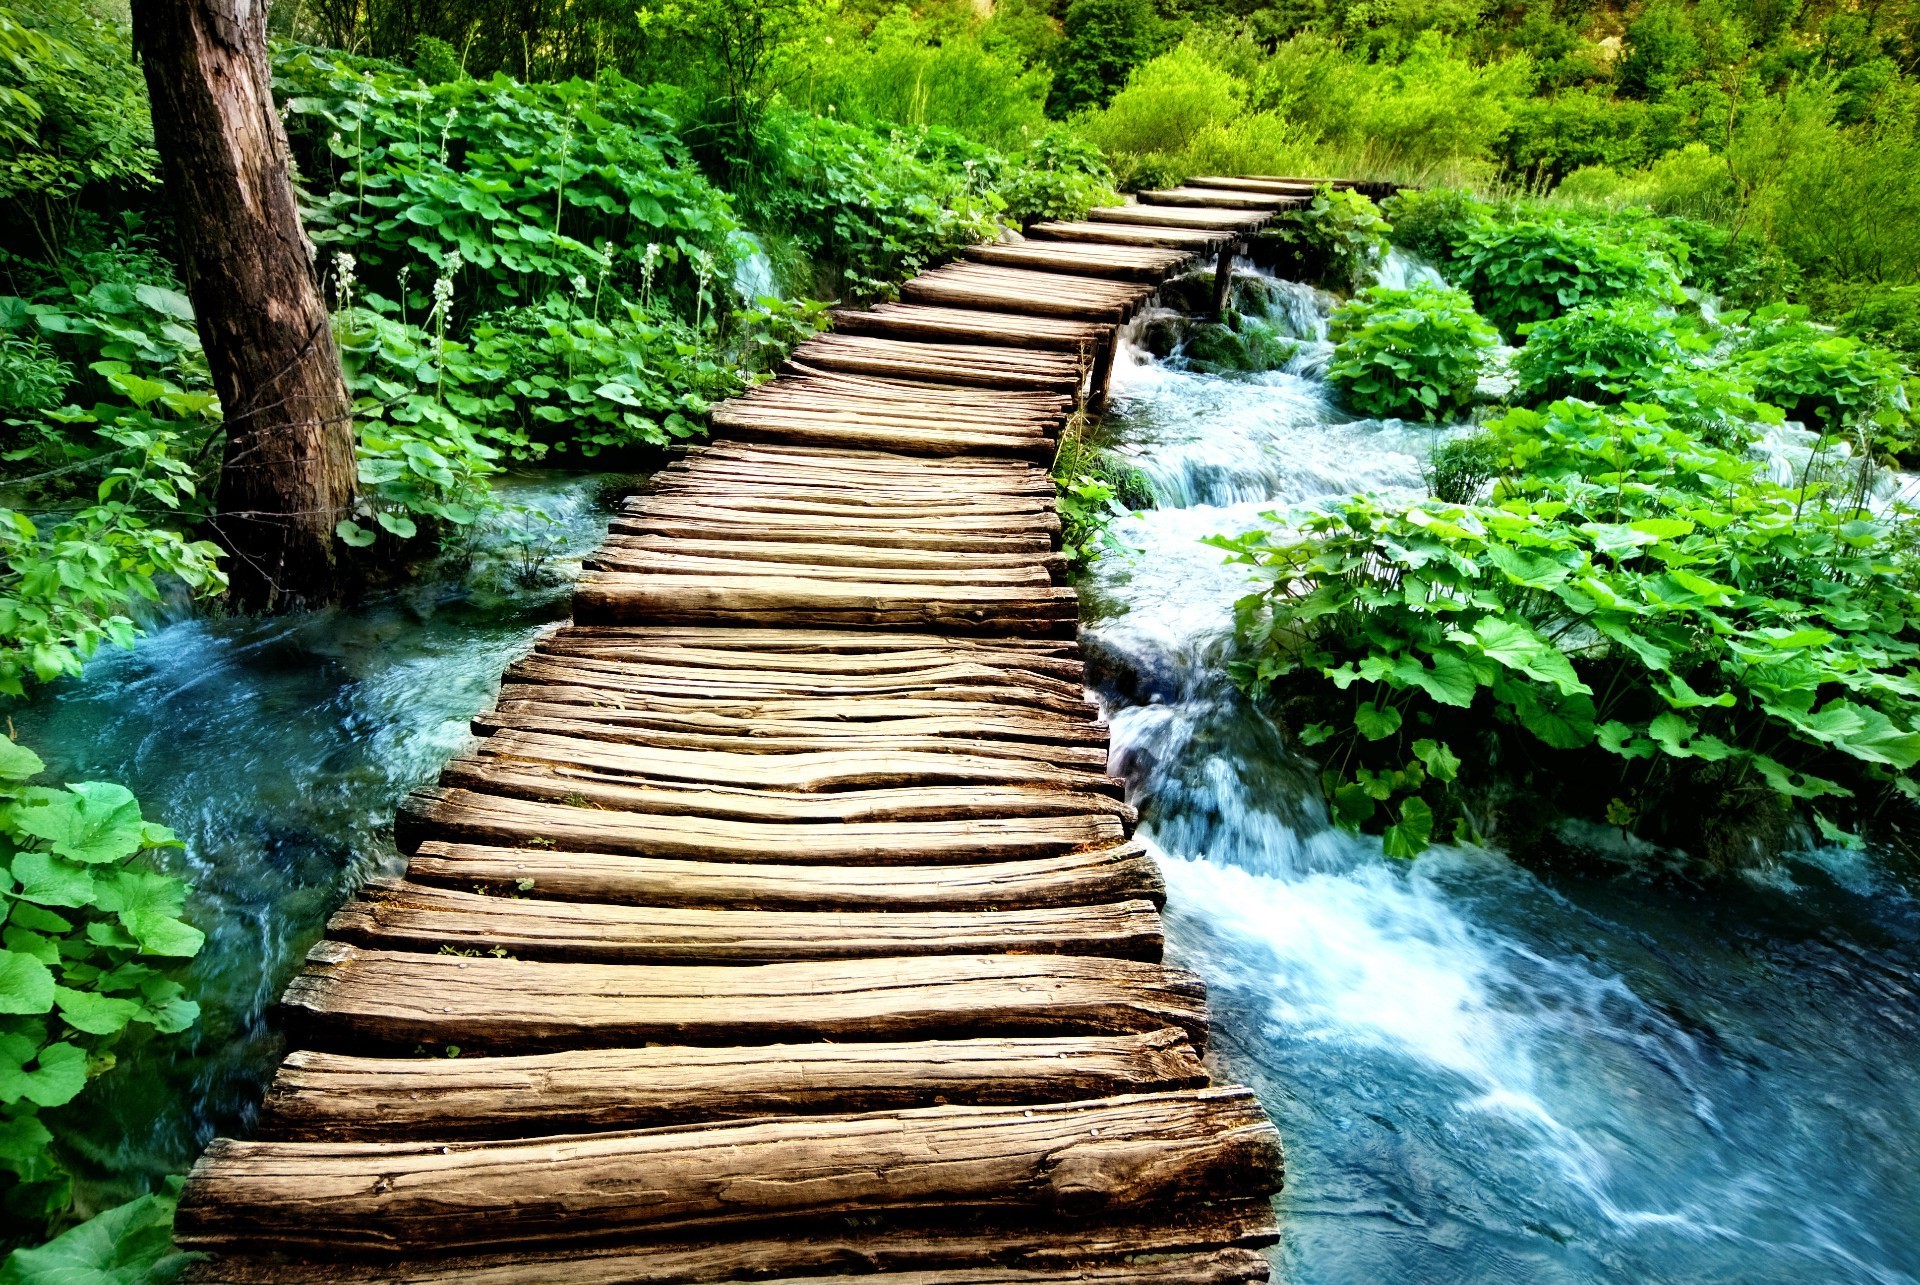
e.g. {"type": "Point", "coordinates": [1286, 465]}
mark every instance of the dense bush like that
{"type": "Point", "coordinates": [1434, 223]}
{"type": "Point", "coordinates": [1831, 383]}
{"type": "Point", "coordinates": [1639, 628]}
{"type": "Point", "coordinates": [1336, 240]}
{"type": "Point", "coordinates": [1103, 41]}
{"type": "Point", "coordinates": [1528, 270]}
{"type": "Point", "coordinates": [1601, 351]}
{"type": "Point", "coordinates": [1414, 353]}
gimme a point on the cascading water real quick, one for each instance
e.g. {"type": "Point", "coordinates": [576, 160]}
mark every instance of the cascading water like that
{"type": "Point", "coordinates": [277, 749]}
{"type": "Point", "coordinates": [1485, 1073]}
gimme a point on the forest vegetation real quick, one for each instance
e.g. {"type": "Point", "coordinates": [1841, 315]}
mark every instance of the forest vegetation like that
{"type": "Point", "coordinates": [549, 234]}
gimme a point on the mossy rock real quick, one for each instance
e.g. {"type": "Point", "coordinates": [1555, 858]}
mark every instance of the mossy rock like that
{"type": "Point", "coordinates": [1190, 294]}
{"type": "Point", "coordinates": [1165, 335]}
{"type": "Point", "coordinates": [1245, 348]}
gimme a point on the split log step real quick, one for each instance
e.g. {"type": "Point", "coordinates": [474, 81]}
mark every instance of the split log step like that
{"type": "Point", "coordinates": [1151, 264]}
{"type": "Point", "coordinates": [332, 1097]}
{"type": "Point", "coordinates": [968, 325]}
{"type": "Point", "coordinates": [814, 773]}
{"type": "Point", "coordinates": [349, 998]}
{"type": "Point", "coordinates": [1194, 240]}
{"type": "Point", "coordinates": [901, 1248]}
{"type": "Point", "coordinates": [1225, 199]}
{"type": "Point", "coordinates": [1180, 216]}
{"type": "Point", "coordinates": [840, 653]}
{"type": "Point", "coordinates": [1124, 873]}
{"type": "Point", "coordinates": [818, 642]}
{"type": "Point", "coordinates": [615, 596]}
{"type": "Point", "coordinates": [495, 818]}
{"type": "Point", "coordinates": [1040, 294]}
{"type": "Point", "coordinates": [977, 365]}
{"type": "Point", "coordinates": [393, 914]}
{"type": "Point", "coordinates": [1105, 1155]}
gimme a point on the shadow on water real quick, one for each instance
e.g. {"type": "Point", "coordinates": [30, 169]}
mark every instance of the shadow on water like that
{"type": "Point", "coordinates": [1482, 1071]}
{"type": "Point", "coordinates": [277, 748]}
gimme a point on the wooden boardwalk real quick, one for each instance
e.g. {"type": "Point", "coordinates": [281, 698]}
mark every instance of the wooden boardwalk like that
{"type": "Point", "coordinates": [784, 922]}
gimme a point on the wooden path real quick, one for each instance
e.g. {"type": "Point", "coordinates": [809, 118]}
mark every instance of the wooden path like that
{"type": "Point", "coordinates": [783, 922]}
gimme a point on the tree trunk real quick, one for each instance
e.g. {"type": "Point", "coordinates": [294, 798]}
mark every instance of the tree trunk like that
{"type": "Point", "coordinates": [288, 472]}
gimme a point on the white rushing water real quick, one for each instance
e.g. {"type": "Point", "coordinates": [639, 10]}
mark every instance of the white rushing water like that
{"type": "Point", "coordinates": [1481, 1073]}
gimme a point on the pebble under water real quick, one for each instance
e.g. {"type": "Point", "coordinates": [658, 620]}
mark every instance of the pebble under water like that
{"type": "Point", "coordinates": [1483, 1072]}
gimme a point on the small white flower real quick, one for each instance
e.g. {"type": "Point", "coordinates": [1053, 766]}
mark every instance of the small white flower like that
{"type": "Point", "coordinates": [579, 284]}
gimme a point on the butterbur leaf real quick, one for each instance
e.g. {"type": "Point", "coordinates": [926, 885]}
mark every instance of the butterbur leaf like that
{"type": "Point", "coordinates": [1316, 733]}
{"type": "Point", "coordinates": [26, 985]}
{"type": "Point", "coordinates": [1441, 762]}
{"type": "Point", "coordinates": [130, 1244]}
{"type": "Point", "coordinates": [1518, 647]}
{"type": "Point", "coordinates": [53, 881]}
{"type": "Point", "coordinates": [1450, 681]}
{"type": "Point", "coordinates": [1681, 696]}
{"type": "Point", "coordinates": [1376, 723]}
{"type": "Point", "coordinates": [1617, 738]}
{"type": "Point", "coordinates": [17, 762]}
{"type": "Point", "coordinates": [95, 821]}
{"type": "Point", "coordinates": [58, 1074]}
{"type": "Point", "coordinates": [1412, 833]}
{"type": "Point", "coordinates": [1353, 807]}
{"type": "Point", "coordinates": [1835, 835]}
{"type": "Point", "coordinates": [94, 1014]}
{"type": "Point", "coordinates": [162, 934]}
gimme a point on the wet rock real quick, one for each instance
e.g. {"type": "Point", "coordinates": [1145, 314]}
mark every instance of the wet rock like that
{"type": "Point", "coordinates": [1192, 293]}
{"type": "Point", "coordinates": [1243, 345]}
{"type": "Point", "coordinates": [1165, 334]}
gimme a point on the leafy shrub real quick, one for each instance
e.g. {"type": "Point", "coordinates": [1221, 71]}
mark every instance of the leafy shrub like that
{"type": "Point", "coordinates": [1336, 240]}
{"type": "Point", "coordinates": [92, 933]}
{"type": "Point", "coordinates": [1057, 175]}
{"type": "Point", "coordinates": [1166, 105]}
{"type": "Point", "coordinates": [1103, 42]}
{"type": "Point", "coordinates": [1830, 383]}
{"type": "Point", "coordinates": [909, 73]}
{"type": "Point", "coordinates": [873, 204]}
{"type": "Point", "coordinates": [1640, 628]}
{"type": "Point", "coordinates": [1433, 223]}
{"type": "Point", "coordinates": [1458, 468]}
{"type": "Point", "coordinates": [1600, 351]}
{"type": "Point", "coordinates": [1529, 270]}
{"type": "Point", "coordinates": [73, 108]}
{"type": "Point", "coordinates": [1889, 317]}
{"type": "Point", "coordinates": [1413, 353]}
{"type": "Point", "coordinates": [1093, 489]}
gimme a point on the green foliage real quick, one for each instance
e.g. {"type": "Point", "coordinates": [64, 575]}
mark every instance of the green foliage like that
{"type": "Point", "coordinates": [1888, 316]}
{"type": "Point", "coordinates": [1530, 270]}
{"type": "Point", "coordinates": [1093, 489]}
{"type": "Point", "coordinates": [130, 1244]}
{"type": "Point", "coordinates": [878, 206]}
{"type": "Point", "coordinates": [1167, 103]}
{"type": "Point", "coordinates": [1831, 383]}
{"type": "Point", "coordinates": [1336, 240]}
{"type": "Point", "coordinates": [1434, 223]}
{"type": "Point", "coordinates": [93, 930]}
{"type": "Point", "coordinates": [1458, 469]}
{"type": "Point", "coordinates": [1642, 615]}
{"type": "Point", "coordinates": [1414, 353]}
{"type": "Point", "coordinates": [1103, 42]}
{"type": "Point", "coordinates": [1057, 175]}
{"type": "Point", "coordinates": [73, 108]}
{"type": "Point", "coordinates": [1601, 351]}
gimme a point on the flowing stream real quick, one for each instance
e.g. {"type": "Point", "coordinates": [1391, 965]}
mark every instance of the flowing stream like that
{"type": "Point", "coordinates": [1482, 1073]}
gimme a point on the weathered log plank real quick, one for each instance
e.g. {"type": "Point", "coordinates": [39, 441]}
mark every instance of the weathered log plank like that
{"type": "Point", "coordinates": [1217, 198]}
{"type": "Point", "coordinates": [1044, 294]}
{"type": "Point", "coordinates": [346, 997]}
{"type": "Point", "coordinates": [844, 658]}
{"type": "Point", "coordinates": [1194, 239]}
{"type": "Point", "coordinates": [893, 1246]}
{"type": "Point", "coordinates": [1124, 873]}
{"type": "Point", "coordinates": [1178, 216]}
{"type": "Point", "coordinates": [1134, 1152]}
{"type": "Point", "coordinates": [1126, 263]}
{"type": "Point", "coordinates": [394, 914]}
{"type": "Point", "coordinates": [800, 773]}
{"type": "Point", "coordinates": [494, 818]}
{"type": "Point", "coordinates": [968, 325]}
{"type": "Point", "coordinates": [332, 1097]}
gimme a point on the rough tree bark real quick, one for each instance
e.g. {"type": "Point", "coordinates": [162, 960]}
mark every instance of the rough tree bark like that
{"type": "Point", "coordinates": [288, 472]}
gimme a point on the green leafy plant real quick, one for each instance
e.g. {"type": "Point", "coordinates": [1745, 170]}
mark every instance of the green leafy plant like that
{"type": "Point", "coordinates": [1601, 351]}
{"type": "Point", "coordinates": [1413, 353]}
{"type": "Point", "coordinates": [93, 930]}
{"type": "Point", "coordinates": [1638, 628]}
{"type": "Point", "coordinates": [1056, 176]}
{"type": "Point", "coordinates": [1337, 240]}
{"type": "Point", "coordinates": [1531, 270]}
{"type": "Point", "coordinates": [1434, 223]}
{"type": "Point", "coordinates": [1831, 383]}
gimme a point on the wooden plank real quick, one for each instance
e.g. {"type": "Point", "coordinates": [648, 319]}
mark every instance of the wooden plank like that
{"type": "Point", "coordinates": [813, 773]}
{"type": "Point", "coordinates": [975, 365]}
{"type": "Point", "coordinates": [1125, 1153]}
{"type": "Point", "coordinates": [719, 526]}
{"type": "Point", "coordinates": [1196, 240]}
{"type": "Point", "coordinates": [1042, 294]}
{"type": "Point", "coordinates": [819, 642]}
{"type": "Point", "coordinates": [1125, 263]}
{"type": "Point", "coordinates": [1225, 198]}
{"type": "Point", "coordinates": [492, 818]}
{"type": "Point", "coordinates": [1122, 873]}
{"type": "Point", "coordinates": [616, 558]}
{"type": "Point", "coordinates": [895, 1247]}
{"type": "Point", "coordinates": [741, 736]}
{"type": "Point", "coordinates": [968, 325]}
{"type": "Point", "coordinates": [394, 914]}
{"type": "Point", "coordinates": [332, 1097]}
{"type": "Point", "coordinates": [616, 596]}
{"type": "Point", "coordinates": [346, 997]}
{"type": "Point", "coordinates": [961, 679]}
{"type": "Point", "coordinates": [734, 650]}
{"type": "Point", "coordinates": [840, 559]}
{"type": "Point", "coordinates": [1176, 216]}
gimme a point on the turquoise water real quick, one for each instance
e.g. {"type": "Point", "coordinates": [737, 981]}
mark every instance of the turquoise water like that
{"type": "Point", "coordinates": [277, 749]}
